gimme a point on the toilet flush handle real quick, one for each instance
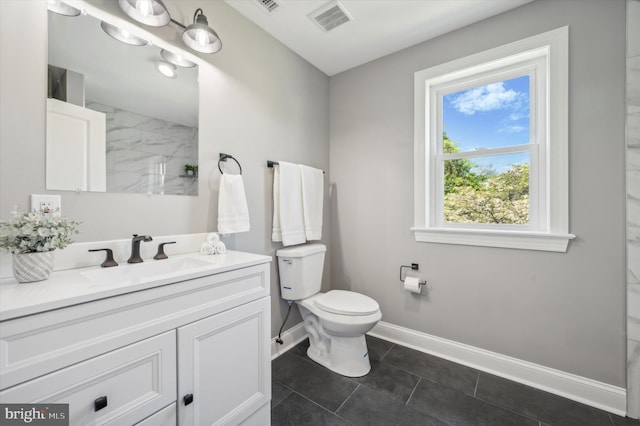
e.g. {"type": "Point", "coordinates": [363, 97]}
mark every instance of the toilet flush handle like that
{"type": "Point", "coordinates": [288, 261]}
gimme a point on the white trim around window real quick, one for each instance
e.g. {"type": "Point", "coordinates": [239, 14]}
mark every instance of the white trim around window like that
{"type": "Point", "coordinates": [544, 58]}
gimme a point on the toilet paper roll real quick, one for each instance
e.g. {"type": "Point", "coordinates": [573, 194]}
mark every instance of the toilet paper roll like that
{"type": "Point", "coordinates": [412, 284]}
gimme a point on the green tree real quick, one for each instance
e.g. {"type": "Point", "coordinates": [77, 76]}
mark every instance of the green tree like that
{"type": "Point", "coordinates": [458, 173]}
{"type": "Point", "coordinates": [503, 198]}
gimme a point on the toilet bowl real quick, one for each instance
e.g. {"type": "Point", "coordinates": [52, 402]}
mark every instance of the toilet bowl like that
{"type": "Point", "coordinates": [336, 321]}
{"type": "Point", "coordinates": [336, 340]}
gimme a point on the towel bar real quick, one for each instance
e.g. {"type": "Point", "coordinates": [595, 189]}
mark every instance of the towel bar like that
{"type": "Point", "coordinates": [271, 163]}
{"type": "Point", "coordinates": [223, 157]}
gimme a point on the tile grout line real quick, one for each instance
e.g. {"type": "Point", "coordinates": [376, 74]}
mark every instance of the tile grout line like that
{"type": "Point", "coordinates": [321, 406]}
{"type": "Point", "coordinates": [413, 391]}
{"type": "Point", "coordinates": [387, 352]}
{"type": "Point", "coordinates": [475, 391]}
{"type": "Point", "coordinates": [345, 401]}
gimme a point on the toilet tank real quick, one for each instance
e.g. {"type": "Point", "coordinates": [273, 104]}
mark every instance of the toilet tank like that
{"type": "Point", "coordinates": [300, 270]}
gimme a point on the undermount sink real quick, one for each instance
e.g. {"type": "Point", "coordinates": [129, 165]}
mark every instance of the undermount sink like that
{"type": "Point", "coordinates": [146, 271]}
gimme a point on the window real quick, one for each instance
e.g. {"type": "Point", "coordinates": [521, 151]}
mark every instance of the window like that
{"type": "Point", "coordinates": [491, 140]}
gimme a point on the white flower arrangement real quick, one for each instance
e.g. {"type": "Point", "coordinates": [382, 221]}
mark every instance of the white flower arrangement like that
{"type": "Point", "coordinates": [36, 232]}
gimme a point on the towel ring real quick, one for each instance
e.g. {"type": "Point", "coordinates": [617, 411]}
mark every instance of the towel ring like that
{"type": "Point", "coordinates": [223, 157]}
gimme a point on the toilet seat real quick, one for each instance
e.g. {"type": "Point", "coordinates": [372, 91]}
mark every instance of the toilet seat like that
{"type": "Point", "coordinates": [343, 302]}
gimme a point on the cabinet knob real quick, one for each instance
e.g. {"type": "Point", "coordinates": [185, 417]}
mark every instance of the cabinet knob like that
{"type": "Point", "coordinates": [99, 403]}
{"type": "Point", "coordinates": [188, 399]}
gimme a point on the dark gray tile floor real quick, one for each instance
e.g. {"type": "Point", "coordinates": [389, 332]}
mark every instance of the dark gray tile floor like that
{"type": "Point", "coordinates": [408, 387]}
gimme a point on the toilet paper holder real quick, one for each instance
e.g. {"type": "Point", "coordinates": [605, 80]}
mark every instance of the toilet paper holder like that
{"type": "Point", "coordinates": [413, 267]}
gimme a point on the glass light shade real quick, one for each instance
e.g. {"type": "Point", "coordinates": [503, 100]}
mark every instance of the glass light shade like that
{"type": "Point", "coordinates": [62, 8]}
{"type": "Point", "coordinates": [176, 59]}
{"type": "Point", "coordinates": [200, 37]}
{"type": "Point", "coordinates": [123, 35]}
{"type": "Point", "coordinates": [167, 69]}
{"type": "Point", "coordinates": [148, 12]}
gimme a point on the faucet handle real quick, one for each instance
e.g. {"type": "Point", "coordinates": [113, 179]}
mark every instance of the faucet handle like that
{"type": "Point", "coordinates": [109, 261]}
{"type": "Point", "coordinates": [161, 255]}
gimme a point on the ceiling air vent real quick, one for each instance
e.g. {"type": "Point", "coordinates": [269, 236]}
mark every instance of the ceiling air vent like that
{"type": "Point", "coordinates": [268, 6]}
{"type": "Point", "coordinates": [331, 16]}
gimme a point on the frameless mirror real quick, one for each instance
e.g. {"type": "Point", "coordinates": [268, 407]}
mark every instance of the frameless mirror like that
{"type": "Point", "coordinates": [114, 122]}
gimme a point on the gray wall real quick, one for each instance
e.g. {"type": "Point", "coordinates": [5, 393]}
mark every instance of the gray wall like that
{"type": "Point", "coordinates": [564, 311]}
{"type": "Point", "coordinates": [259, 101]}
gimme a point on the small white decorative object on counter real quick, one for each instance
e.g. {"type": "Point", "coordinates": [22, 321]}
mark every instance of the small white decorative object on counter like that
{"type": "Point", "coordinates": [213, 245]}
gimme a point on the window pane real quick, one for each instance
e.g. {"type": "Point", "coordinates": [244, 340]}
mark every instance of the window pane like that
{"type": "Point", "coordinates": [490, 116]}
{"type": "Point", "coordinates": [492, 189]}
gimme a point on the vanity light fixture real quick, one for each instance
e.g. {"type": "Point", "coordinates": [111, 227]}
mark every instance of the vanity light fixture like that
{"type": "Point", "coordinates": [62, 8]}
{"type": "Point", "coordinates": [176, 59]}
{"type": "Point", "coordinates": [199, 36]}
{"type": "Point", "coordinates": [123, 35]}
{"type": "Point", "coordinates": [167, 69]}
{"type": "Point", "coordinates": [148, 12]}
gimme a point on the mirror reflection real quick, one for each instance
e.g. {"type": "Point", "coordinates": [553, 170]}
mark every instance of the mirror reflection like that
{"type": "Point", "coordinates": [120, 117]}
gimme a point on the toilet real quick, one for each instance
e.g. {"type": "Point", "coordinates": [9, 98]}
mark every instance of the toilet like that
{"type": "Point", "coordinates": [336, 321]}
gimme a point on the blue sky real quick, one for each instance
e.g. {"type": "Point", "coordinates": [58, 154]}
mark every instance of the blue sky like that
{"type": "Point", "coordinates": [491, 116]}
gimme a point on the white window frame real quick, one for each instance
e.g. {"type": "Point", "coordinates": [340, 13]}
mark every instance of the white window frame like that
{"type": "Point", "coordinates": [545, 59]}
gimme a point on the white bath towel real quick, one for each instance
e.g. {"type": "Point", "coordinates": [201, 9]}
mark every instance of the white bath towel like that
{"type": "Point", "coordinates": [288, 219]}
{"type": "Point", "coordinates": [312, 200]}
{"type": "Point", "coordinates": [233, 212]}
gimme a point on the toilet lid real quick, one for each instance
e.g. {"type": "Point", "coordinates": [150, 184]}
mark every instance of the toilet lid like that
{"type": "Point", "coordinates": [346, 303]}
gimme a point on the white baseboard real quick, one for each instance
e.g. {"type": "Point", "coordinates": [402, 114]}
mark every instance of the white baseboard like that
{"type": "Point", "coordinates": [291, 337]}
{"type": "Point", "coordinates": [587, 391]}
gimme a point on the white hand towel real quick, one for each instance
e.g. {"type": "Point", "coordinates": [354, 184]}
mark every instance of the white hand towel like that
{"type": "Point", "coordinates": [233, 212]}
{"type": "Point", "coordinates": [312, 199]}
{"type": "Point", "coordinates": [219, 248]}
{"type": "Point", "coordinates": [288, 219]}
{"type": "Point", "coordinates": [213, 237]}
{"type": "Point", "coordinates": [207, 248]}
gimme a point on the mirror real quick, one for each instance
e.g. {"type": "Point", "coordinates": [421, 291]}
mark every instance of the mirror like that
{"type": "Point", "coordinates": [116, 123]}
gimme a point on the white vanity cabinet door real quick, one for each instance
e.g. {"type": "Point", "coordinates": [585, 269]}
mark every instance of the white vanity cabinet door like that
{"type": "Point", "coordinates": [137, 381]}
{"type": "Point", "coordinates": [224, 364]}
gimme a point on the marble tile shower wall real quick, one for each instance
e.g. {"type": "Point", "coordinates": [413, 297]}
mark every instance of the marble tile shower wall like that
{"type": "Point", "coordinates": [633, 208]}
{"type": "Point", "coordinates": [147, 155]}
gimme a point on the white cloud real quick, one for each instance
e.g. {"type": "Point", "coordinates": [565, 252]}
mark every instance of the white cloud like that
{"type": "Point", "coordinates": [512, 129]}
{"type": "Point", "coordinates": [487, 98]}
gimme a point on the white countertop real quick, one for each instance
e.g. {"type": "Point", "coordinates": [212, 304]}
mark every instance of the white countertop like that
{"type": "Point", "coordinates": [73, 286]}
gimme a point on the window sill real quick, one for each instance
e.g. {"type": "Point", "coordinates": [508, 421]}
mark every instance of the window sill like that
{"type": "Point", "coordinates": [503, 239]}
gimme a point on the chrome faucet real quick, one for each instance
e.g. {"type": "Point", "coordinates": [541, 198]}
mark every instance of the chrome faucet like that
{"type": "Point", "coordinates": [135, 247]}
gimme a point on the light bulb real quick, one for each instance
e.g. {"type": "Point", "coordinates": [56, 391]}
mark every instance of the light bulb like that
{"type": "Point", "coordinates": [202, 38]}
{"type": "Point", "coordinates": [145, 7]}
{"type": "Point", "coordinates": [167, 69]}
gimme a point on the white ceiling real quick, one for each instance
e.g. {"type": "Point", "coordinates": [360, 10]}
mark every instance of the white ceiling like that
{"type": "Point", "coordinates": [378, 28]}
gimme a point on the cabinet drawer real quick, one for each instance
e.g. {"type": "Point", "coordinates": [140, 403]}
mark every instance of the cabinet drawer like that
{"type": "Point", "coordinates": [165, 417]}
{"type": "Point", "coordinates": [35, 345]}
{"type": "Point", "coordinates": [117, 388]}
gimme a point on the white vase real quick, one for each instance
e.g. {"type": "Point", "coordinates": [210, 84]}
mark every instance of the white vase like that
{"type": "Point", "coordinates": [32, 267]}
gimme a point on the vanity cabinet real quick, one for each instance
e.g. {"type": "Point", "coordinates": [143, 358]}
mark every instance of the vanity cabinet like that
{"type": "Point", "coordinates": [193, 352]}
